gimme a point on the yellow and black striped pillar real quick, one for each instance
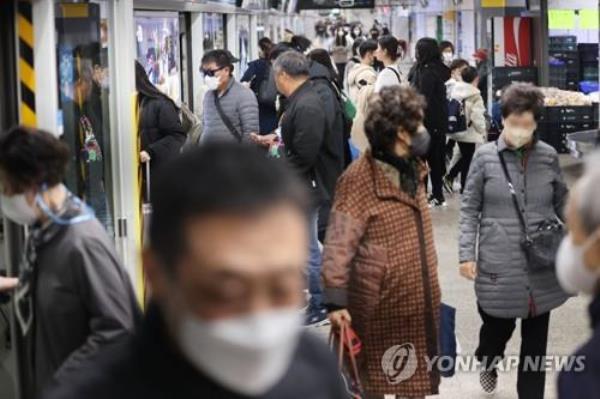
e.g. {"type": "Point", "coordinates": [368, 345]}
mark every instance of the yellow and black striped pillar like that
{"type": "Point", "coordinates": [26, 63]}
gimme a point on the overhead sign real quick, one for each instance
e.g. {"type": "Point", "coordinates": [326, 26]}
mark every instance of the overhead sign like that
{"type": "Point", "coordinates": [589, 19]}
{"type": "Point", "coordinates": [329, 4]}
{"type": "Point", "coordinates": [561, 19]}
{"type": "Point", "coordinates": [493, 3]}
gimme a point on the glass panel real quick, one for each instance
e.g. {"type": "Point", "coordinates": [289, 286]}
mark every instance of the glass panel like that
{"type": "Point", "coordinates": [243, 23]}
{"type": "Point", "coordinates": [214, 29]}
{"type": "Point", "coordinates": [82, 57]}
{"type": "Point", "coordinates": [157, 41]}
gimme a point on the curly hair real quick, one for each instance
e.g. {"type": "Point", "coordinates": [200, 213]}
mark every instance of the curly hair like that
{"type": "Point", "coordinates": [393, 108]}
{"type": "Point", "coordinates": [522, 97]}
{"type": "Point", "coordinates": [32, 157]}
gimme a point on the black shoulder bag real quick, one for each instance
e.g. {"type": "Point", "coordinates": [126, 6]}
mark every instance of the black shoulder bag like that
{"type": "Point", "coordinates": [234, 132]}
{"type": "Point", "coordinates": [541, 245]}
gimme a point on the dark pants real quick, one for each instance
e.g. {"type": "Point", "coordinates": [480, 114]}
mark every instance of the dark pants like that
{"type": "Point", "coordinates": [467, 150]}
{"type": "Point", "coordinates": [450, 148]}
{"type": "Point", "coordinates": [437, 164]}
{"type": "Point", "coordinates": [495, 333]}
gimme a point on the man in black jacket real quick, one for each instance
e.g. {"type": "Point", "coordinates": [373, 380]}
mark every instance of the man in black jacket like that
{"type": "Point", "coordinates": [312, 148]}
{"type": "Point", "coordinates": [225, 265]}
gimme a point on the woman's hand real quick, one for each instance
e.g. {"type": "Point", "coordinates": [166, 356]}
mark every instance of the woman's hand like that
{"type": "Point", "coordinates": [144, 157]}
{"type": "Point", "coordinates": [339, 317]}
{"type": "Point", "coordinates": [265, 141]}
{"type": "Point", "coordinates": [8, 283]}
{"type": "Point", "coordinates": [468, 270]}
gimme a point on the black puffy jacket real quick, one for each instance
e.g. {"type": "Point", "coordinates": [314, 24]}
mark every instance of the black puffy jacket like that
{"type": "Point", "coordinates": [160, 129]}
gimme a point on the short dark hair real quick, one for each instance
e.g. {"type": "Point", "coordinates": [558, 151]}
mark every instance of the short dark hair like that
{"type": "Point", "coordinates": [522, 97]}
{"type": "Point", "coordinates": [390, 44]}
{"type": "Point", "coordinates": [279, 49]}
{"type": "Point", "coordinates": [32, 157]}
{"type": "Point", "coordinates": [445, 44]}
{"type": "Point", "coordinates": [220, 57]}
{"type": "Point", "coordinates": [217, 178]}
{"type": "Point", "coordinates": [392, 108]}
{"type": "Point", "coordinates": [368, 46]}
{"type": "Point", "coordinates": [469, 74]}
{"type": "Point", "coordinates": [293, 63]}
{"type": "Point", "coordinates": [300, 43]}
{"type": "Point", "coordinates": [458, 63]}
{"type": "Point", "coordinates": [265, 44]}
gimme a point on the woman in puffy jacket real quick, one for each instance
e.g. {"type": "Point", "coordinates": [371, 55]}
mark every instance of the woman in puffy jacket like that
{"type": "Point", "coordinates": [508, 285]}
{"type": "Point", "coordinates": [160, 128]}
{"type": "Point", "coordinates": [467, 93]}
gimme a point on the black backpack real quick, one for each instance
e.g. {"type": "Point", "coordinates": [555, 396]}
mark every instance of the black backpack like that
{"type": "Point", "coordinates": [266, 92]}
{"type": "Point", "coordinates": [457, 119]}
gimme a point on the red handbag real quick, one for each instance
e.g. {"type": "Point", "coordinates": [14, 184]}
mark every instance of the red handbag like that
{"type": "Point", "coordinates": [348, 347]}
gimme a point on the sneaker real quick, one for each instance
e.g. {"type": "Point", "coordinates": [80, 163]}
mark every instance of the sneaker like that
{"type": "Point", "coordinates": [316, 317]}
{"type": "Point", "coordinates": [489, 381]}
{"type": "Point", "coordinates": [449, 184]}
{"type": "Point", "coordinates": [436, 203]}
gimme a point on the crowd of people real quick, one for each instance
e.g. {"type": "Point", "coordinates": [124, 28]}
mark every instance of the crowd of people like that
{"type": "Point", "coordinates": [309, 172]}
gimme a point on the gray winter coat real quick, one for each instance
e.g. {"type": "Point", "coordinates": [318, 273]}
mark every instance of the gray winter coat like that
{"type": "Point", "coordinates": [83, 301]}
{"type": "Point", "coordinates": [239, 104]}
{"type": "Point", "coordinates": [490, 232]}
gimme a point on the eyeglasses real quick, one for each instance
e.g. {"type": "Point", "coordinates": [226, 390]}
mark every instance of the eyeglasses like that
{"type": "Point", "coordinates": [210, 72]}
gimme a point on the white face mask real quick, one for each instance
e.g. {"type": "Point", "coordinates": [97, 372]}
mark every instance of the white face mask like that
{"type": "Point", "coordinates": [212, 82]}
{"type": "Point", "coordinates": [17, 209]}
{"type": "Point", "coordinates": [447, 57]}
{"type": "Point", "coordinates": [517, 136]}
{"type": "Point", "coordinates": [571, 271]}
{"type": "Point", "coordinates": [248, 354]}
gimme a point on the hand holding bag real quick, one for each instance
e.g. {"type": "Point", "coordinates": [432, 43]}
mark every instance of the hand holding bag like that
{"type": "Point", "coordinates": [349, 345]}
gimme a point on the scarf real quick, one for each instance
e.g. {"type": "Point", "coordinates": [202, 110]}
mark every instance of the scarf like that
{"type": "Point", "coordinates": [39, 236]}
{"type": "Point", "coordinates": [407, 168]}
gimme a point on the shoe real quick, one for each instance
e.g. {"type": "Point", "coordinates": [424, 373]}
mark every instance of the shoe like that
{"type": "Point", "coordinates": [436, 203]}
{"type": "Point", "coordinates": [489, 381]}
{"type": "Point", "coordinates": [449, 184]}
{"type": "Point", "coordinates": [316, 317]}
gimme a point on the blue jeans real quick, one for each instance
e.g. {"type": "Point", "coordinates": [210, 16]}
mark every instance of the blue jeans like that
{"type": "Point", "coordinates": [314, 264]}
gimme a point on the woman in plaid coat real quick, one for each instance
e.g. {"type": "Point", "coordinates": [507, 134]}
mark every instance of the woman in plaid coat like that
{"type": "Point", "coordinates": [379, 262]}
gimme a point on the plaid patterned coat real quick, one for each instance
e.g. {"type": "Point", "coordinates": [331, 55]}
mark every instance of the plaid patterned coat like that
{"type": "Point", "coordinates": [380, 263]}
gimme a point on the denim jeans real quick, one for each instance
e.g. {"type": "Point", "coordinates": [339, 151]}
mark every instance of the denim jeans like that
{"type": "Point", "coordinates": [314, 263]}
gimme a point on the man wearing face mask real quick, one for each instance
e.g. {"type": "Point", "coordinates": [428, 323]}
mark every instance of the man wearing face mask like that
{"type": "Point", "coordinates": [226, 262]}
{"type": "Point", "coordinates": [230, 109]}
{"type": "Point", "coordinates": [578, 271]}
{"type": "Point", "coordinates": [73, 297]}
{"type": "Point", "coordinates": [508, 285]}
{"type": "Point", "coordinates": [380, 237]}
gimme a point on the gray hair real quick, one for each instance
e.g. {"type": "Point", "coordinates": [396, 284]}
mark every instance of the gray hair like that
{"type": "Point", "coordinates": [589, 195]}
{"type": "Point", "coordinates": [292, 63]}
